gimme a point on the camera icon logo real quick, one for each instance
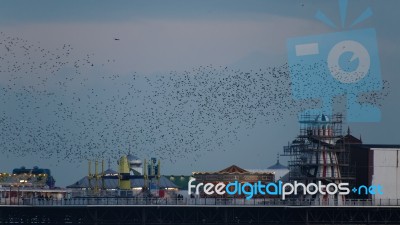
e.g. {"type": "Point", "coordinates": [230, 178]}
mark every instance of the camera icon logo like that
{"type": "Point", "coordinates": [359, 53]}
{"type": "Point", "coordinates": [335, 64]}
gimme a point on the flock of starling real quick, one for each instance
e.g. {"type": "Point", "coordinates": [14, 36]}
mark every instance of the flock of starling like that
{"type": "Point", "coordinates": [59, 104]}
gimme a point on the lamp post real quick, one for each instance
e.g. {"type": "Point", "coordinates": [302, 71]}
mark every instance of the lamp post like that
{"type": "Point", "coordinates": [9, 195]}
{"type": "Point", "coordinates": [18, 194]}
{"type": "Point", "coordinates": [21, 183]}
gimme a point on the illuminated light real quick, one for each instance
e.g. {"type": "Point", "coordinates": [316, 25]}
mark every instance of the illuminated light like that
{"type": "Point", "coordinates": [171, 189]}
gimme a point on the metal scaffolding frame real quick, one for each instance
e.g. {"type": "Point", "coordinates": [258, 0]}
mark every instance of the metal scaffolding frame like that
{"type": "Point", "coordinates": [319, 135]}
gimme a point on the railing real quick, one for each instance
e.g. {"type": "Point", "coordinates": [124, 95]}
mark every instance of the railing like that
{"type": "Point", "coordinates": [82, 201]}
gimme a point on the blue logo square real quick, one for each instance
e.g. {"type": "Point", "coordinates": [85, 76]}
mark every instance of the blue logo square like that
{"type": "Point", "coordinates": [341, 63]}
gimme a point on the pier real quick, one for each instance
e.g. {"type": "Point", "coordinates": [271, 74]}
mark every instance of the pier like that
{"type": "Point", "coordinates": [200, 211]}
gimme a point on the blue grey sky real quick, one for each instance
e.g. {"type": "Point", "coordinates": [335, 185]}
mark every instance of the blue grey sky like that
{"type": "Point", "coordinates": [155, 38]}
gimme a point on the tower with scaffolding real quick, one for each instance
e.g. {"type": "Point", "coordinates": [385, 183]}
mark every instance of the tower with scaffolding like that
{"type": "Point", "coordinates": [317, 155]}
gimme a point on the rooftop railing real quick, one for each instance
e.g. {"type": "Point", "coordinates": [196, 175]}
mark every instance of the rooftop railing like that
{"type": "Point", "coordinates": [135, 201]}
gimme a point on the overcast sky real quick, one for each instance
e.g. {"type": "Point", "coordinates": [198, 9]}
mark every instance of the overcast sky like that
{"type": "Point", "coordinates": [157, 37]}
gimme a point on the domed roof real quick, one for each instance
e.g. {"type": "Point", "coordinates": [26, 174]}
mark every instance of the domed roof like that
{"type": "Point", "coordinates": [110, 172]}
{"type": "Point", "coordinates": [132, 157]}
{"type": "Point", "coordinates": [322, 118]}
{"type": "Point", "coordinates": [277, 166]}
{"type": "Point", "coordinates": [134, 161]}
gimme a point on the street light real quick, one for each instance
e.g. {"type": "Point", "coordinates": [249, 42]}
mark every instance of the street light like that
{"type": "Point", "coordinates": [9, 195]}
{"type": "Point", "coordinates": [18, 194]}
{"type": "Point", "coordinates": [22, 182]}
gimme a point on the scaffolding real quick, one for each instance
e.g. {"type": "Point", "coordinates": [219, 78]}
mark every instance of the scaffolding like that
{"type": "Point", "coordinates": [317, 154]}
